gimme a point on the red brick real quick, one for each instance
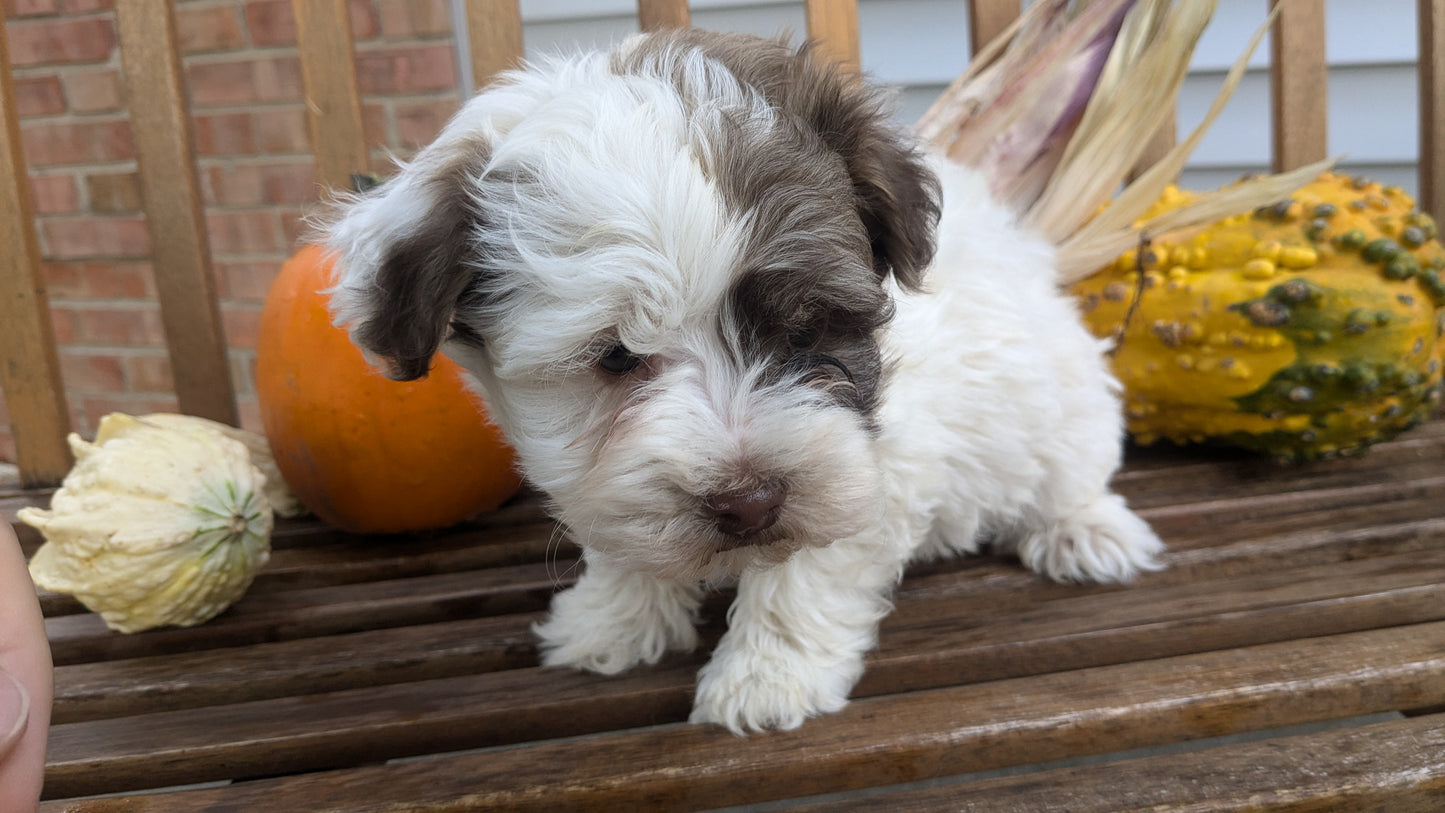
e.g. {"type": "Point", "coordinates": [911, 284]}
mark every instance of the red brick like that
{"type": "Point", "coordinates": [242, 325]}
{"type": "Point", "coordinates": [225, 134]}
{"type": "Point", "coordinates": [417, 123]}
{"type": "Point", "coordinates": [244, 81]}
{"type": "Point", "coordinates": [259, 184]}
{"type": "Point", "coordinates": [78, 142]}
{"type": "Point", "coordinates": [231, 186]}
{"type": "Point", "coordinates": [93, 91]}
{"type": "Point", "coordinates": [294, 229]}
{"type": "Point", "coordinates": [365, 24]}
{"type": "Point", "coordinates": [42, 42]}
{"type": "Point", "coordinates": [81, 238]}
{"type": "Point", "coordinates": [415, 69]}
{"type": "Point", "coordinates": [270, 22]}
{"type": "Point", "coordinates": [38, 96]}
{"type": "Point", "coordinates": [150, 372]}
{"type": "Point", "coordinates": [243, 233]}
{"type": "Point", "coordinates": [64, 324]}
{"type": "Point", "coordinates": [119, 279]}
{"type": "Point", "coordinates": [100, 280]}
{"type": "Point", "coordinates": [55, 194]}
{"type": "Point", "coordinates": [113, 192]}
{"type": "Point", "coordinates": [282, 130]}
{"type": "Point", "coordinates": [28, 8]}
{"type": "Point", "coordinates": [290, 183]}
{"type": "Point", "coordinates": [62, 280]}
{"type": "Point", "coordinates": [248, 281]}
{"type": "Point", "coordinates": [132, 325]}
{"type": "Point", "coordinates": [414, 19]}
{"type": "Point", "coordinates": [83, 6]}
{"type": "Point", "coordinates": [91, 372]}
{"type": "Point", "coordinates": [213, 28]}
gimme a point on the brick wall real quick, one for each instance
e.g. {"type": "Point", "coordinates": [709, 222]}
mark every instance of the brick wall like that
{"type": "Point", "coordinates": [254, 161]}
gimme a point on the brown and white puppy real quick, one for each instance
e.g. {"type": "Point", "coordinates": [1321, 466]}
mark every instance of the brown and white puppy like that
{"type": "Point", "coordinates": [689, 278]}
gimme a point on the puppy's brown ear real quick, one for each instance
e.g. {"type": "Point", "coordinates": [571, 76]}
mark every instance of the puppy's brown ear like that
{"type": "Point", "coordinates": [897, 195]}
{"type": "Point", "coordinates": [401, 264]}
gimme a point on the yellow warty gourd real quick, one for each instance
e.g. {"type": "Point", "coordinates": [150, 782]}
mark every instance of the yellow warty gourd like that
{"type": "Point", "coordinates": [154, 525]}
{"type": "Point", "coordinates": [1304, 330]}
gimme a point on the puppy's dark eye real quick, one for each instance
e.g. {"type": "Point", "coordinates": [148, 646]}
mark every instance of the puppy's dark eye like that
{"type": "Point", "coordinates": [619, 360]}
{"type": "Point", "coordinates": [804, 338]}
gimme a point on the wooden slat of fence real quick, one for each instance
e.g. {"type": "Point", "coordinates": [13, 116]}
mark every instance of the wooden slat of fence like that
{"type": "Point", "coordinates": [1432, 108]}
{"type": "Point", "coordinates": [494, 34]}
{"type": "Point", "coordinates": [29, 364]}
{"type": "Point", "coordinates": [1299, 82]}
{"type": "Point", "coordinates": [333, 102]}
{"type": "Point", "coordinates": [986, 19]}
{"type": "Point", "coordinates": [175, 220]}
{"type": "Point", "coordinates": [834, 25]}
{"type": "Point", "coordinates": [653, 15]}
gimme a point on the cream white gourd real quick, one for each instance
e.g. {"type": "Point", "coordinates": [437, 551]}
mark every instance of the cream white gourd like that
{"type": "Point", "coordinates": [154, 526]}
{"type": "Point", "coordinates": [278, 494]}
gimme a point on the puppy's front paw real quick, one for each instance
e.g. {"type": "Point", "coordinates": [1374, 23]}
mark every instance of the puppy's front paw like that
{"type": "Point", "coordinates": [607, 626]}
{"type": "Point", "coordinates": [1104, 542]}
{"type": "Point", "coordinates": [769, 686]}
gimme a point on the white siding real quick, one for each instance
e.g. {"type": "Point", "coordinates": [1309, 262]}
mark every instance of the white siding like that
{"type": "Point", "coordinates": [918, 46]}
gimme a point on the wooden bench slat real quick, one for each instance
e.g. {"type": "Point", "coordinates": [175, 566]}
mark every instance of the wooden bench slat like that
{"type": "Point", "coordinates": [987, 19]}
{"type": "Point", "coordinates": [29, 364]}
{"type": "Point", "coordinates": [175, 219]}
{"type": "Point", "coordinates": [928, 643]}
{"type": "Point", "coordinates": [655, 15]}
{"type": "Point", "coordinates": [118, 688]}
{"type": "Point", "coordinates": [494, 37]}
{"type": "Point", "coordinates": [1431, 14]}
{"type": "Point", "coordinates": [879, 741]}
{"type": "Point", "coordinates": [1392, 766]}
{"type": "Point", "coordinates": [833, 24]}
{"type": "Point", "coordinates": [333, 101]}
{"type": "Point", "coordinates": [1299, 83]}
{"type": "Point", "coordinates": [320, 611]}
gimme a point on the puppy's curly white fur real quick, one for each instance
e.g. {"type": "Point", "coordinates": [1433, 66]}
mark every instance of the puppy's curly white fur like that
{"type": "Point", "coordinates": [738, 328]}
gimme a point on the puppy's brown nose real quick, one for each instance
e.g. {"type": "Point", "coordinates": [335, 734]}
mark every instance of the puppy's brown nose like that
{"type": "Point", "coordinates": [747, 511]}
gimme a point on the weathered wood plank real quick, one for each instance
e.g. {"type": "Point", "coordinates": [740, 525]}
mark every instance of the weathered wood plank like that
{"type": "Point", "coordinates": [936, 638]}
{"type": "Point", "coordinates": [1431, 15]}
{"type": "Point", "coordinates": [833, 24]}
{"type": "Point", "coordinates": [160, 123]}
{"type": "Point", "coordinates": [494, 37]}
{"type": "Point", "coordinates": [29, 364]}
{"type": "Point", "coordinates": [321, 611]}
{"type": "Point", "coordinates": [1299, 83]}
{"type": "Point", "coordinates": [94, 691]}
{"type": "Point", "coordinates": [987, 19]}
{"type": "Point", "coordinates": [655, 15]}
{"type": "Point", "coordinates": [877, 741]}
{"type": "Point", "coordinates": [1394, 766]}
{"type": "Point", "coordinates": [333, 102]}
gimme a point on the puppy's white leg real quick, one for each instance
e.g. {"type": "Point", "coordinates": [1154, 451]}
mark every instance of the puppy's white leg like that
{"type": "Point", "coordinates": [1101, 541]}
{"type": "Point", "coordinates": [613, 619]}
{"type": "Point", "coordinates": [796, 637]}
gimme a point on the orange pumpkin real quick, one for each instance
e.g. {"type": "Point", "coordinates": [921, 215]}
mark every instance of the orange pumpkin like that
{"type": "Point", "coordinates": [363, 452]}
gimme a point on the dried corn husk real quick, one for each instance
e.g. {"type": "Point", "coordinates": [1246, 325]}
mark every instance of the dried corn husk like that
{"type": "Point", "coordinates": [1060, 109]}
